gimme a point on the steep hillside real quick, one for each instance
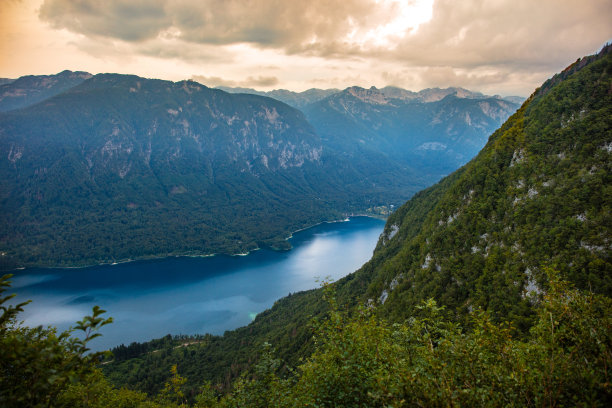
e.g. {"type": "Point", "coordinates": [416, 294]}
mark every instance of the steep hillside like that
{"type": "Point", "coordinates": [538, 195]}
{"type": "Point", "coordinates": [94, 170]}
{"type": "Point", "coordinates": [31, 89]}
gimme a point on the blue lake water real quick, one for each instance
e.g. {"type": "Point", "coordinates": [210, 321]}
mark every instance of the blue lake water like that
{"type": "Point", "coordinates": [149, 299]}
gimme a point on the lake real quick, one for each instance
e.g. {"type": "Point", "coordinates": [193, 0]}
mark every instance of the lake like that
{"type": "Point", "coordinates": [184, 295]}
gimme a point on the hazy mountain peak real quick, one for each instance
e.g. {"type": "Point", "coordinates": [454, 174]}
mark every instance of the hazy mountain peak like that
{"type": "Point", "coordinates": [31, 89]}
{"type": "Point", "coordinates": [399, 93]}
{"type": "Point", "coordinates": [373, 95]}
{"type": "Point", "coordinates": [291, 98]}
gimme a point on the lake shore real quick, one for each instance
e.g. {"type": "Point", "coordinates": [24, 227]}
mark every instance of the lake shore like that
{"type": "Point", "coordinates": [191, 295]}
{"type": "Point", "coordinates": [190, 254]}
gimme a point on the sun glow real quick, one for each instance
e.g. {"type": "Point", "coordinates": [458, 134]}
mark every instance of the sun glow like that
{"type": "Point", "coordinates": [408, 16]}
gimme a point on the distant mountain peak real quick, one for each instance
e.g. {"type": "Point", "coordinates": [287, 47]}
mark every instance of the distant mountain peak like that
{"type": "Point", "coordinates": [31, 89]}
{"type": "Point", "coordinates": [373, 95]}
{"type": "Point", "coordinates": [291, 98]}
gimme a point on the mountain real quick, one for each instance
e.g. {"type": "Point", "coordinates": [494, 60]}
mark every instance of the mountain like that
{"type": "Point", "coordinates": [515, 99]}
{"type": "Point", "coordinates": [95, 173]}
{"type": "Point", "coordinates": [392, 135]}
{"type": "Point", "coordinates": [296, 99]}
{"type": "Point", "coordinates": [436, 130]}
{"type": "Point", "coordinates": [536, 198]}
{"type": "Point", "coordinates": [436, 94]}
{"type": "Point", "coordinates": [31, 89]}
{"type": "Point", "coordinates": [99, 164]}
{"type": "Point", "coordinates": [4, 81]}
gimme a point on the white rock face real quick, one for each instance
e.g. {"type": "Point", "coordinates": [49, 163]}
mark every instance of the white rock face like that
{"type": "Point", "coordinates": [427, 262]}
{"type": "Point", "coordinates": [435, 146]}
{"type": "Point", "coordinates": [15, 153]}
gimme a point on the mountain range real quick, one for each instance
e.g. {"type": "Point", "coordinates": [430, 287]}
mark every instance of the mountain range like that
{"type": "Point", "coordinates": [436, 129]}
{"type": "Point", "coordinates": [93, 166]}
{"type": "Point", "coordinates": [300, 100]}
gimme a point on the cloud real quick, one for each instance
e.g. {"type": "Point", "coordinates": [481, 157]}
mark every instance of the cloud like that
{"type": "Point", "coordinates": [411, 43]}
{"type": "Point", "coordinates": [129, 20]}
{"type": "Point", "coordinates": [213, 81]}
{"type": "Point", "coordinates": [263, 22]}
{"type": "Point", "coordinates": [519, 33]}
{"type": "Point", "coordinates": [465, 33]}
{"type": "Point", "coordinates": [265, 81]}
{"type": "Point", "coordinates": [260, 81]}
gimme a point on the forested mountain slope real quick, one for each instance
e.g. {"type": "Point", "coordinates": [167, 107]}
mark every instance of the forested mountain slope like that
{"type": "Point", "coordinates": [93, 168]}
{"type": "Point", "coordinates": [537, 196]}
{"type": "Point", "coordinates": [97, 173]}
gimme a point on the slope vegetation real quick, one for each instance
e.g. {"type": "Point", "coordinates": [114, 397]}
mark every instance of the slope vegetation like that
{"type": "Point", "coordinates": [537, 198]}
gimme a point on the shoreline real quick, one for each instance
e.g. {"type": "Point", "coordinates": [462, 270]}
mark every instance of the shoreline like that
{"type": "Point", "coordinates": [186, 255]}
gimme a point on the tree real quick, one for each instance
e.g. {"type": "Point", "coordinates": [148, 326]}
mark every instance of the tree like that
{"type": "Point", "coordinates": [37, 364]}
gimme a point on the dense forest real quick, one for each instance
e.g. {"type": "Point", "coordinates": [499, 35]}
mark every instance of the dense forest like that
{"type": "Point", "coordinates": [491, 288]}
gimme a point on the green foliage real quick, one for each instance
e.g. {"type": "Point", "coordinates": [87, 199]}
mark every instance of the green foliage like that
{"type": "Point", "coordinates": [359, 361]}
{"type": "Point", "coordinates": [429, 361]}
{"type": "Point", "coordinates": [96, 392]}
{"type": "Point", "coordinates": [38, 364]}
{"type": "Point", "coordinates": [264, 390]}
{"type": "Point", "coordinates": [173, 389]}
{"type": "Point", "coordinates": [364, 361]}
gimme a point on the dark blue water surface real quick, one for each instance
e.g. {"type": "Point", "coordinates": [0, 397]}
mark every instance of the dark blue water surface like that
{"type": "Point", "coordinates": [149, 299]}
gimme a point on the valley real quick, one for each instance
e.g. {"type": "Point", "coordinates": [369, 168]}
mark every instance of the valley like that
{"type": "Point", "coordinates": [293, 226]}
{"type": "Point", "coordinates": [94, 171]}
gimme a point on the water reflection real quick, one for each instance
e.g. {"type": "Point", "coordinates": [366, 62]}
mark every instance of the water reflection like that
{"type": "Point", "coordinates": [150, 299]}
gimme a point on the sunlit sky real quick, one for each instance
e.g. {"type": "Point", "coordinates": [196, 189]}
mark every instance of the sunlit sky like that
{"type": "Point", "coordinates": [506, 47]}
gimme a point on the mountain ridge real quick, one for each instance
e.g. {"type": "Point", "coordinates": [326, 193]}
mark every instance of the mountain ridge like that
{"type": "Point", "coordinates": [445, 129]}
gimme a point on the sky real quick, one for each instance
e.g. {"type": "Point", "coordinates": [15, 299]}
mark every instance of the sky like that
{"type": "Point", "coordinates": [506, 47]}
